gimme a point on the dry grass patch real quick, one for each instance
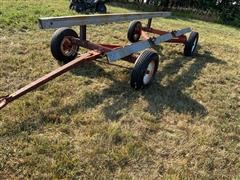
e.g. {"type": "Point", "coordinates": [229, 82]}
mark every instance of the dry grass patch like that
{"type": "Point", "coordinates": [89, 123]}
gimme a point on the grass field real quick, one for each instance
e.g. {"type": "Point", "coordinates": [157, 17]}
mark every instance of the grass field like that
{"type": "Point", "coordinates": [89, 123]}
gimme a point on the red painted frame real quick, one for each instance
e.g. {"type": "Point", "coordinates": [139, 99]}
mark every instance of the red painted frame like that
{"type": "Point", "coordinates": [96, 51]}
{"type": "Point", "coordinates": [181, 39]}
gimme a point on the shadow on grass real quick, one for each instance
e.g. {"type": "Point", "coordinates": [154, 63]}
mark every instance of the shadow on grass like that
{"type": "Point", "coordinates": [158, 96]}
{"type": "Point", "coordinates": [123, 97]}
{"type": "Point", "coordinates": [90, 70]}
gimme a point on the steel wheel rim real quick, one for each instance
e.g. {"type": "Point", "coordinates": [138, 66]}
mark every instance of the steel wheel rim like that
{"type": "Point", "coordinates": [194, 45]}
{"type": "Point", "coordinates": [67, 47]}
{"type": "Point", "coordinates": [149, 72]}
{"type": "Point", "coordinates": [136, 36]}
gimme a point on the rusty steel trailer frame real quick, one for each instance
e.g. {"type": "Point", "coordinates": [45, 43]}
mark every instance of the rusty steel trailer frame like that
{"type": "Point", "coordinates": [112, 52]}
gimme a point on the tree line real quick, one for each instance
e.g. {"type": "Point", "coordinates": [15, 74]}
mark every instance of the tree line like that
{"type": "Point", "coordinates": [227, 11]}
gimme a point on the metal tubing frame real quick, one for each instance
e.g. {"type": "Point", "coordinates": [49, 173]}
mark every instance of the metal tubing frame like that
{"type": "Point", "coordinates": [83, 33]}
{"type": "Point", "coordinates": [149, 23]}
{"type": "Point", "coordinates": [91, 55]}
{"type": "Point", "coordinates": [103, 48]}
{"type": "Point", "coordinates": [117, 54]}
{"type": "Point", "coordinates": [180, 39]}
{"type": "Point", "coordinates": [97, 51]}
{"type": "Point", "coordinates": [68, 21]}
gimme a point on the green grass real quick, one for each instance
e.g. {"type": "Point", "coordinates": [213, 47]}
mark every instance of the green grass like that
{"type": "Point", "coordinates": [89, 123]}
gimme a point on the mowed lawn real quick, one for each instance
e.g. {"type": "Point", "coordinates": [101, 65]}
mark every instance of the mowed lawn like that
{"type": "Point", "coordinates": [89, 123]}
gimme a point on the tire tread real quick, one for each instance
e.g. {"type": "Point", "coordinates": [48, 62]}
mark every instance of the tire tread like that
{"type": "Point", "coordinates": [140, 66]}
{"type": "Point", "coordinates": [57, 38]}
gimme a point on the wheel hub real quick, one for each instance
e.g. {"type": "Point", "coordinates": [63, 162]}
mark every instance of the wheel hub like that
{"type": "Point", "coordinates": [67, 47]}
{"type": "Point", "coordinates": [149, 72]}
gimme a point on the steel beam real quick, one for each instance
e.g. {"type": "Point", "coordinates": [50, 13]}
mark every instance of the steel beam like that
{"type": "Point", "coordinates": [142, 45]}
{"type": "Point", "coordinates": [149, 23]}
{"type": "Point", "coordinates": [68, 21]}
{"type": "Point", "coordinates": [91, 55]}
{"type": "Point", "coordinates": [83, 32]}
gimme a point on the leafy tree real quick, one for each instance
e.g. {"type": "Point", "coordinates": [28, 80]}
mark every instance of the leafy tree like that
{"type": "Point", "coordinates": [228, 11]}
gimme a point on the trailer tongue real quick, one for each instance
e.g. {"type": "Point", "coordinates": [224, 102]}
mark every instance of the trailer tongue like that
{"type": "Point", "coordinates": [48, 77]}
{"type": "Point", "coordinates": [65, 44]}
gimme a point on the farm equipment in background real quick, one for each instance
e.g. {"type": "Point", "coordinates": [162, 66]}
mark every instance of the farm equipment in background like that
{"type": "Point", "coordinates": [66, 42]}
{"type": "Point", "coordinates": [88, 6]}
{"type": "Point", "coordinates": [148, 2]}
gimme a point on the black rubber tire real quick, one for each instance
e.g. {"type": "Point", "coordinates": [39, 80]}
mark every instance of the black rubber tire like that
{"type": "Point", "coordinates": [101, 8]}
{"type": "Point", "coordinates": [189, 50]}
{"type": "Point", "coordinates": [80, 8]}
{"type": "Point", "coordinates": [134, 31]}
{"type": "Point", "coordinates": [140, 68]}
{"type": "Point", "coordinates": [57, 38]}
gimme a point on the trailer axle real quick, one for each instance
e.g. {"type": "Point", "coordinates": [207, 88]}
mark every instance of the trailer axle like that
{"type": "Point", "coordinates": [65, 44]}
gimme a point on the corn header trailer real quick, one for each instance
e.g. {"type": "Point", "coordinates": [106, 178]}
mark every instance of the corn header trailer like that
{"type": "Point", "coordinates": [66, 42]}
